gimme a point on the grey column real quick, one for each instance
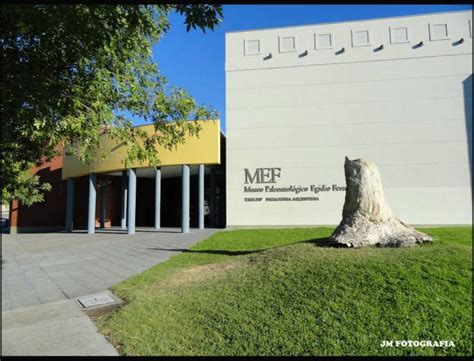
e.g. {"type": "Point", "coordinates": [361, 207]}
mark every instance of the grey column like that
{"type": "Point", "coordinates": [92, 200]}
{"type": "Point", "coordinates": [157, 198]}
{"type": "Point", "coordinates": [213, 198]}
{"type": "Point", "coordinates": [132, 199]}
{"type": "Point", "coordinates": [201, 196]}
{"type": "Point", "coordinates": [123, 215]}
{"type": "Point", "coordinates": [70, 205]}
{"type": "Point", "coordinates": [103, 204]}
{"type": "Point", "coordinates": [185, 199]}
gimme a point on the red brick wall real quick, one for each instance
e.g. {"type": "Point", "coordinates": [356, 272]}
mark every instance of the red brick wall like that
{"type": "Point", "coordinates": [113, 188]}
{"type": "Point", "coordinates": [50, 212]}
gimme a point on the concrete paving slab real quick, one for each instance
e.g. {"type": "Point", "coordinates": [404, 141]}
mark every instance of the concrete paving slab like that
{"type": "Point", "coordinates": [62, 260]}
{"type": "Point", "coordinates": [43, 273]}
{"type": "Point", "coordinates": [54, 329]}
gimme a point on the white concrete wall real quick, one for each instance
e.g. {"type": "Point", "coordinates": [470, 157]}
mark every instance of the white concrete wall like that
{"type": "Point", "coordinates": [407, 109]}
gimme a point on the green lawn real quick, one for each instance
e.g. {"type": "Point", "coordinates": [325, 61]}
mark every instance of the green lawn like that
{"type": "Point", "coordinates": [281, 292]}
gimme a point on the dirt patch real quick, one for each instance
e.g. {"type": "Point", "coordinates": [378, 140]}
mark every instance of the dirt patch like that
{"type": "Point", "coordinates": [198, 274]}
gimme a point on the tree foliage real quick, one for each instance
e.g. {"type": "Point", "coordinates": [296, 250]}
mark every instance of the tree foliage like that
{"type": "Point", "coordinates": [70, 72]}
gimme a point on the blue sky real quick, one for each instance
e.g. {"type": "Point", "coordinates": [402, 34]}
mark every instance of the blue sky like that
{"type": "Point", "coordinates": [195, 61]}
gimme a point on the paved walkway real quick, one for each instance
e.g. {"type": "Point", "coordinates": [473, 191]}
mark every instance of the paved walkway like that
{"type": "Point", "coordinates": [57, 328]}
{"type": "Point", "coordinates": [44, 271]}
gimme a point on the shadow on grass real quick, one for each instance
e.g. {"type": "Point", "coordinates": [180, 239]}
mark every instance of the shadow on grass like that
{"type": "Point", "coordinates": [324, 242]}
{"type": "Point", "coordinates": [209, 251]}
{"type": "Point", "coordinates": [318, 242]}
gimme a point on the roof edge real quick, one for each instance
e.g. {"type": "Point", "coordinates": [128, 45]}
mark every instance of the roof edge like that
{"type": "Point", "coordinates": [350, 21]}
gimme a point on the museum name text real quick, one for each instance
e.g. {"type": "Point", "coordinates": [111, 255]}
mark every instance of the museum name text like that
{"type": "Point", "coordinates": [255, 182]}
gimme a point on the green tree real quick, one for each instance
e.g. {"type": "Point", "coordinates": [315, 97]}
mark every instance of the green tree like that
{"type": "Point", "coordinates": [69, 72]}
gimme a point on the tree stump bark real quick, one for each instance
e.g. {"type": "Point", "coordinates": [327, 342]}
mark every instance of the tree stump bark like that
{"type": "Point", "coordinates": [366, 217]}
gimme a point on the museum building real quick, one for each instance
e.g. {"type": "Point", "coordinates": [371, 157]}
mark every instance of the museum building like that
{"type": "Point", "coordinates": [397, 91]}
{"type": "Point", "coordinates": [186, 191]}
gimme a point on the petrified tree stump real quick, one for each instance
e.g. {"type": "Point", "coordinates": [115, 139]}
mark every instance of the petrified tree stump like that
{"type": "Point", "coordinates": [366, 217]}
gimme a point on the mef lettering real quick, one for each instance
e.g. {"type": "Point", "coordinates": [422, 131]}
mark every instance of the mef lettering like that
{"type": "Point", "coordinates": [262, 175]}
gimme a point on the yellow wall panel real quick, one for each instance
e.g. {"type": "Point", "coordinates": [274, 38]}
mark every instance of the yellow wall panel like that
{"type": "Point", "coordinates": [204, 149]}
